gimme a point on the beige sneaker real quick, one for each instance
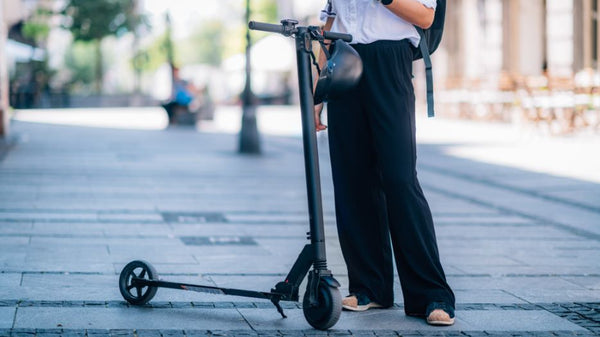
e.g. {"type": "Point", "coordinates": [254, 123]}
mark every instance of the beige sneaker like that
{"type": "Point", "coordinates": [440, 314]}
{"type": "Point", "coordinates": [353, 303]}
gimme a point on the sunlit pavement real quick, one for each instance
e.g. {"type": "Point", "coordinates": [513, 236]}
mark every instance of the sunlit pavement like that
{"type": "Point", "coordinates": [83, 192]}
{"type": "Point", "coordinates": [521, 146]}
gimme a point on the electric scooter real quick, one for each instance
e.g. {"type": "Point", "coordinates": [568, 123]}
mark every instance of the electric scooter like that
{"type": "Point", "coordinates": [322, 304]}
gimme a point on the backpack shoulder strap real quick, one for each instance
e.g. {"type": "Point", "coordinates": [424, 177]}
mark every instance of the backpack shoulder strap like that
{"type": "Point", "coordinates": [428, 71]}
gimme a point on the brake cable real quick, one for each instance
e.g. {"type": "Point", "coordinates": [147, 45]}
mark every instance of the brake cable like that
{"type": "Point", "coordinates": [316, 35]}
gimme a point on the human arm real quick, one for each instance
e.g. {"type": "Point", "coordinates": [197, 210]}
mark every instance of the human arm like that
{"type": "Point", "coordinates": [322, 59]}
{"type": "Point", "coordinates": [412, 11]}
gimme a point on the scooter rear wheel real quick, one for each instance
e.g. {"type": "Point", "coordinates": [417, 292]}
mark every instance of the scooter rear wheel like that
{"type": "Point", "coordinates": [328, 311]}
{"type": "Point", "coordinates": [142, 294]}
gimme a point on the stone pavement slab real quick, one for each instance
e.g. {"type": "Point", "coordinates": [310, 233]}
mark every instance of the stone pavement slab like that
{"type": "Point", "coordinates": [574, 219]}
{"type": "Point", "coordinates": [10, 280]}
{"type": "Point", "coordinates": [517, 320]}
{"type": "Point", "coordinates": [130, 318]}
{"type": "Point", "coordinates": [7, 316]}
{"type": "Point", "coordinates": [482, 296]}
{"type": "Point", "coordinates": [589, 282]}
{"type": "Point", "coordinates": [262, 319]}
{"type": "Point", "coordinates": [533, 295]}
{"type": "Point", "coordinates": [473, 320]}
{"type": "Point", "coordinates": [57, 267]}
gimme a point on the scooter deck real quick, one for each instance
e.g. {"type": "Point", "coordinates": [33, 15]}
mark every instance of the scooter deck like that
{"type": "Point", "coordinates": [205, 289]}
{"type": "Point", "coordinates": [273, 297]}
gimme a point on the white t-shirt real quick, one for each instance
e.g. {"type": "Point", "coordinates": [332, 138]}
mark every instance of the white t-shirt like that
{"type": "Point", "coordinates": [369, 21]}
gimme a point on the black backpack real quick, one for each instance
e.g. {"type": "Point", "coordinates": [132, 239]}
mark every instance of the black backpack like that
{"type": "Point", "coordinates": [430, 40]}
{"type": "Point", "coordinates": [432, 35]}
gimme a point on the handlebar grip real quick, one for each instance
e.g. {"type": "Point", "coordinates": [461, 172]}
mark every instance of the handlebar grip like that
{"type": "Point", "coordinates": [266, 27]}
{"type": "Point", "coordinates": [337, 36]}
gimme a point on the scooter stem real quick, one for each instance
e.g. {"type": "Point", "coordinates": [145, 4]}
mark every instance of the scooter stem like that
{"type": "Point", "coordinates": [311, 155]}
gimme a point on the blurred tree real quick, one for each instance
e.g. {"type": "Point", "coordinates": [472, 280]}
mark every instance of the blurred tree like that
{"type": "Point", "coordinates": [92, 21]}
{"type": "Point", "coordinates": [205, 45]}
{"type": "Point", "coordinates": [82, 71]}
{"type": "Point", "coordinates": [152, 56]}
{"type": "Point", "coordinates": [262, 10]}
{"type": "Point", "coordinates": [37, 27]}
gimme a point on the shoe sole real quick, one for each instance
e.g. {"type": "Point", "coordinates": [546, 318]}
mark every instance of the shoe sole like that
{"type": "Point", "coordinates": [362, 307]}
{"type": "Point", "coordinates": [441, 323]}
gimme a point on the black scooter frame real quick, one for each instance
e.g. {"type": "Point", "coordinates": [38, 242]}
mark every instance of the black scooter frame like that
{"type": "Point", "coordinates": [312, 254]}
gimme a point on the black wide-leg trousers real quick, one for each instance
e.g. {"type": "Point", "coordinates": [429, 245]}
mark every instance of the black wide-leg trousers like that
{"type": "Point", "coordinates": [377, 193]}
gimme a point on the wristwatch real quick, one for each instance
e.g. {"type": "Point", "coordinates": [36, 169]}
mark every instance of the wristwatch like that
{"type": "Point", "coordinates": [386, 2]}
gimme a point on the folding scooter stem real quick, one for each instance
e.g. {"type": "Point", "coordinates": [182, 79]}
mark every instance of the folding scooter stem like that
{"type": "Point", "coordinates": [311, 157]}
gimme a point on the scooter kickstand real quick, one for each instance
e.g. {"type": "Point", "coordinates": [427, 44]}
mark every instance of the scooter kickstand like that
{"type": "Point", "coordinates": [275, 302]}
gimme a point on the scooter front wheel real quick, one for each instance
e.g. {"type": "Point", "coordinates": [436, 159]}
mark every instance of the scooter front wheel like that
{"type": "Point", "coordinates": [324, 315]}
{"type": "Point", "coordinates": [135, 293]}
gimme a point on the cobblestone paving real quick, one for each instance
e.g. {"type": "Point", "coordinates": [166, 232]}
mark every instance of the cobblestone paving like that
{"type": "Point", "coordinates": [268, 333]}
{"type": "Point", "coordinates": [586, 315]}
{"type": "Point", "coordinates": [513, 242]}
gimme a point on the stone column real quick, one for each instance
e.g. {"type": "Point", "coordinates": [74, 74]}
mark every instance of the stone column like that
{"type": "Point", "coordinates": [4, 121]}
{"type": "Point", "coordinates": [523, 36]}
{"type": "Point", "coordinates": [472, 45]}
{"type": "Point", "coordinates": [597, 28]}
{"type": "Point", "coordinates": [561, 37]}
{"type": "Point", "coordinates": [472, 39]}
{"type": "Point", "coordinates": [585, 26]}
{"type": "Point", "coordinates": [578, 35]}
{"type": "Point", "coordinates": [451, 49]}
{"type": "Point", "coordinates": [492, 35]}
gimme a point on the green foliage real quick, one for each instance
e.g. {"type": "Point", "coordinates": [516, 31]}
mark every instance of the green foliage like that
{"type": "Point", "coordinates": [264, 10]}
{"type": "Point", "coordinates": [261, 10]}
{"type": "Point", "coordinates": [93, 20]}
{"type": "Point", "coordinates": [37, 27]}
{"type": "Point", "coordinates": [36, 30]}
{"type": "Point", "coordinates": [153, 56]}
{"type": "Point", "coordinates": [205, 45]}
{"type": "Point", "coordinates": [77, 60]}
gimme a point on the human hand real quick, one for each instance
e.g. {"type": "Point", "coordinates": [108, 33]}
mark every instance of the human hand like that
{"type": "Point", "coordinates": [318, 125]}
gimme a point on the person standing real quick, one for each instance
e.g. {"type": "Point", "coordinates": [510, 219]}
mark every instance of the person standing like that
{"type": "Point", "coordinates": [373, 157]}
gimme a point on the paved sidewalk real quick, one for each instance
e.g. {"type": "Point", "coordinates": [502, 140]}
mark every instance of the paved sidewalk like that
{"type": "Point", "coordinates": [520, 247]}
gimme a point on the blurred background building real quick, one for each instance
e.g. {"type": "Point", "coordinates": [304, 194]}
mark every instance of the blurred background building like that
{"type": "Point", "coordinates": [533, 61]}
{"type": "Point", "coordinates": [11, 12]}
{"type": "Point", "coordinates": [527, 60]}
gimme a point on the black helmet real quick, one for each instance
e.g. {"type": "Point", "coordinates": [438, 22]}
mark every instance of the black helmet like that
{"type": "Point", "coordinates": [342, 72]}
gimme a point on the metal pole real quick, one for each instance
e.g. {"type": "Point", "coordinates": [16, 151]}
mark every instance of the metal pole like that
{"type": "Point", "coordinates": [169, 47]}
{"type": "Point", "coordinates": [249, 137]}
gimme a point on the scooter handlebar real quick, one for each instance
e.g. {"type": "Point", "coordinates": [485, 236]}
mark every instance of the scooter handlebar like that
{"type": "Point", "coordinates": [266, 27]}
{"type": "Point", "coordinates": [337, 36]}
{"type": "Point", "coordinates": [286, 30]}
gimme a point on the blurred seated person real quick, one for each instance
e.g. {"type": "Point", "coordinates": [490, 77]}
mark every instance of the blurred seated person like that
{"type": "Point", "coordinates": [181, 96]}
